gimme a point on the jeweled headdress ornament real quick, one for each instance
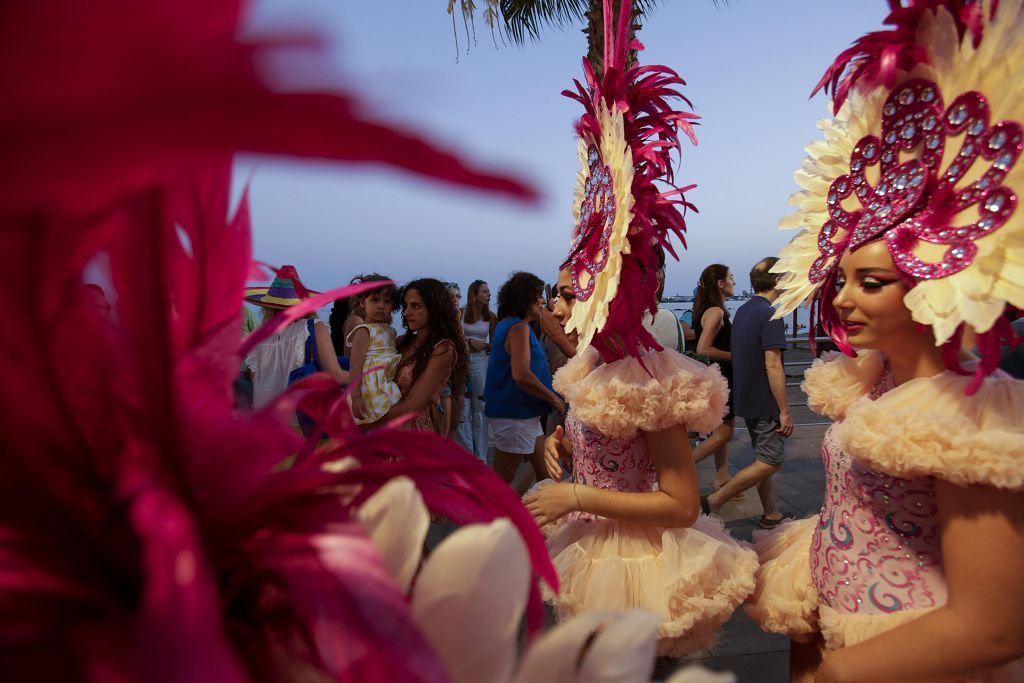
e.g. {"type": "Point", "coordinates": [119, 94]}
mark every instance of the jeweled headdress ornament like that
{"type": "Point", "coordinates": [923, 154]}
{"type": "Point", "coordinates": [621, 216]}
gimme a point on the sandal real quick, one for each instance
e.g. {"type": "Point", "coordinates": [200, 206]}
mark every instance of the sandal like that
{"type": "Point", "coordinates": [766, 523]}
{"type": "Point", "coordinates": [742, 495]}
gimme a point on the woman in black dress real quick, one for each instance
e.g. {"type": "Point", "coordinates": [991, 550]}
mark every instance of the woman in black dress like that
{"type": "Point", "coordinates": [713, 331]}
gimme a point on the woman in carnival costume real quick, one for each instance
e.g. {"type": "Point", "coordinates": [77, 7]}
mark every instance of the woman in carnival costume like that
{"type": "Point", "coordinates": [914, 570]}
{"type": "Point", "coordinates": [627, 531]}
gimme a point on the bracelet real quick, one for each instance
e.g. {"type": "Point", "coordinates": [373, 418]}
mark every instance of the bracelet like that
{"type": "Point", "coordinates": [576, 493]}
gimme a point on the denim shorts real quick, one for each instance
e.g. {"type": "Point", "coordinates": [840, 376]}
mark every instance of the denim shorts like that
{"type": "Point", "coordinates": [769, 445]}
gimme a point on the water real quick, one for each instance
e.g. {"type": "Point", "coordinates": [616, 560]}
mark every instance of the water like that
{"type": "Point", "coordinates": [683, 310]}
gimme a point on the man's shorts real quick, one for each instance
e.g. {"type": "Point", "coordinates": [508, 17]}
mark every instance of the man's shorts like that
{"type": "Point", "coordinates": [769, 445]}
{"type": "Point", "coordinates": [515, 436]}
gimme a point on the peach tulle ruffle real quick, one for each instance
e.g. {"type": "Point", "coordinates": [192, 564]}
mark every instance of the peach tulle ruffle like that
{"type": "Point", "coordinates": [621, 398]}
{"type": "Point", "coordinates": [835, 381]}
{"type": "Point", "coordinates": [692, 578]}
{"type": "Point", "coordinates": [785, 600]}
{"type": "Point", "coordinates": [929, 427]}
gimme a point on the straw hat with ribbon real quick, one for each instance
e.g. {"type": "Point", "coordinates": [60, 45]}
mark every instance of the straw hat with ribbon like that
{"type": "Point", "coordinates": [286, 290]}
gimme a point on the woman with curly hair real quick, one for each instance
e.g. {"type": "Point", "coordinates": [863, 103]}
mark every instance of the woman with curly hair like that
{"type": "Point", "coordinates": [433, 351]}
{"type": "Point", "coordinates": [518, 386]}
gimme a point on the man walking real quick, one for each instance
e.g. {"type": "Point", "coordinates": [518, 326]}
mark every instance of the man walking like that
{"type": "Point", "coordinates": [759, 393]}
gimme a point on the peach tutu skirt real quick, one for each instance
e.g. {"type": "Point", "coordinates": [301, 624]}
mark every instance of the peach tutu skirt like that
{"type": "Point", "coordinates": [692, 578]}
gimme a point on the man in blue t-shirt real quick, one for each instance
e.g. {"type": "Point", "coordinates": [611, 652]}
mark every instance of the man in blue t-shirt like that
{"type": "Point", "coordinates": [759, 392]}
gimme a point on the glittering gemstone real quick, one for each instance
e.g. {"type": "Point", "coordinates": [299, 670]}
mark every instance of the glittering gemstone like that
{"type": "Point", "coordinates": [933, 142]}
{"type": "Point", "coordinates": [1004, 161]}
{"type": "Point", "coordinates": [890, 137]}
{"type": "Point", "coordinates": [856, 165]}
{"type": "Point", "coordinates": [916, 180]}
{"type": "Point", "coordinates": [842, 187]}
{"type": "Point", "coordinates": [962, 232]}
{"type": "Point", "coordinates": [986, 223]}
{"type": "Point", "coordinates": [882, 190]}
{"type": "Point", "coordinates": [959, 253]}
{"type": "Point", "coordinates": [900, 183]}
{"type": "Point", "coordinates": [907, 96]}
{"type": "Point", "coordinates": [890, 109]}
{"type": "Point", "coordinates": [976, 127]}
{"type": "Point", "coordinates": [884, 211]}
{"type": "Point", "coordinates": [832, 199]}
{"type": "Point", "coordinates": [967, 151]}
{"type": "Point", "coordinates": [929, 123]}
{"type": "Point", "coordinates": [953, 171]}
{"type": "Point", "coordinates": [995, 203]}
{"type": "Point", "coordinates": [874, 206]}
{"type": "Point", "coordinates": [871, 150]}
{"type": "Point", "coordinates": [908, 131]}
{"type": "Point", "coordinates": [944, 234]}
{"type": "Point", "coordinates": [997, 141]}
{"type": "Point", "coordinates": [983, 183]}
{"type": "Point", "coordinates": [859, 180]}
{"type": "Point", "coordinates": [887, 157]}
{"type": "Point", "coordinates": [928, 95]}
{"type": "Point", "coordinates": [957, 115]}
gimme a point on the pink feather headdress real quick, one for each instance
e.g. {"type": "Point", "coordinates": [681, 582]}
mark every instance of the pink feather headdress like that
{"type": "Point", "coordinates": [627, 135]}
{"type": "Point", "coordinates": [924, 155]}
{"type": "Point", "coordinates": [147, 530]}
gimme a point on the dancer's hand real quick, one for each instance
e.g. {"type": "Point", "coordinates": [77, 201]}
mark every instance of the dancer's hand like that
{"type": "Point", "coordinates": [552, 502]}
{"type": "Point", "coordinates": [555, 453]}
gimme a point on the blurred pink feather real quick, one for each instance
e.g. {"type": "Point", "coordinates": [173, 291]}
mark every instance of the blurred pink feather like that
{"type": "Point", "coordinates": [877, 57]}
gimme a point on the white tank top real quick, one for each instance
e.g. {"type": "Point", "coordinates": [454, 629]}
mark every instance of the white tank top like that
{"type": "Point", "coordinates": [477, 330]}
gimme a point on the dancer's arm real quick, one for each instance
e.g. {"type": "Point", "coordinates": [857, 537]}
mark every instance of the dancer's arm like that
{"type": "Point", "coordinates": [710, 323]}
{"type": "Point", "coordinates": [674, 505]}
{"type": "Point", "coordinates": [981, 625]}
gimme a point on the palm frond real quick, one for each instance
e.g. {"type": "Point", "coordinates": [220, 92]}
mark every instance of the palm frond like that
{"type": "Point", "coordinates": [527, 18]}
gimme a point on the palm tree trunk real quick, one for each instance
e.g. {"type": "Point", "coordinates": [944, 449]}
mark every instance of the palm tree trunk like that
{"type": "Point", "coordinates": [595, 33]}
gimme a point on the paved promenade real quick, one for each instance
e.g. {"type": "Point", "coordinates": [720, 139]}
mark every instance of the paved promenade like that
{"type": "Point", "coordinates": [742, 648]}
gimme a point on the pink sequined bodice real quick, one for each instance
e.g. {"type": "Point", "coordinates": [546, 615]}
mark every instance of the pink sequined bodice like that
{"type": "Point", "coordinates": [876, 548]}
{"type": "Point", "coordinates": [607, 463]}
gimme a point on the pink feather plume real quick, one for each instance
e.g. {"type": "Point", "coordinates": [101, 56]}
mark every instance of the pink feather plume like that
{"type": "Point", "coordinates": [148, 531]}
{"type": "Point", "coordinates": [652, 126]}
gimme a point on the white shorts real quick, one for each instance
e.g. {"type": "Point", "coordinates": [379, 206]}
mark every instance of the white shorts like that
{"type": "Point", "coordinates": [515, 436]}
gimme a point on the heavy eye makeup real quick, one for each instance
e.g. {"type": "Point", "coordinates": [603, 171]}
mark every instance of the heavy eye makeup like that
{"type": "Point", "coordinates": [868, 280]}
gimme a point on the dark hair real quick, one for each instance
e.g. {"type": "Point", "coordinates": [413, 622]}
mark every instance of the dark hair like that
{"type": "Point", "coordinates": [517, 295]}
{"type": "Point", "coordinates": [761, 277]}
{"type": "Point", "coordinates": [485, 313]}
{"type": "Point", "coordinates": [442, 323]}
{"type": "Point", "coordinates": [389, 290]}
{"type": "Point", "coordinates": [708, 294]}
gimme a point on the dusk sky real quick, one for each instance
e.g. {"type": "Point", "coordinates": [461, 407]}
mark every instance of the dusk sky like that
{"type": "Point", "coordinates": [749, 66]}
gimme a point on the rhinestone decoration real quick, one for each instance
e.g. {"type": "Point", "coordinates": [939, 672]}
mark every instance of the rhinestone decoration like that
{"type": "Point", "coordinates": [592, 232]}
{"type": "Point", "coordinates": [915, 199]}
